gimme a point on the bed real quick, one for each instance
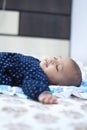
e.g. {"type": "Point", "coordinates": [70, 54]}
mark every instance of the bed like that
{"type": "Point", "coordinates": [17, 112]}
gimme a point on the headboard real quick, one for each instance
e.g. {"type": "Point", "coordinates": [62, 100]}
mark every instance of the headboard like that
{"type": "Point", "coordinates": [40, 27]}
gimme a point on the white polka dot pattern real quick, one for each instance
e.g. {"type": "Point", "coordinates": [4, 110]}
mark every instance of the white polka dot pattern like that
{"type": "Point", "coordinates": [23, 71]}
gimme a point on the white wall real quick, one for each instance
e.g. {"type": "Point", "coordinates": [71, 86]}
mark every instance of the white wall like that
{"type": "Point", "coordinates": [79, 31]}
{"type": "Point", "coordinates": [38, 47]}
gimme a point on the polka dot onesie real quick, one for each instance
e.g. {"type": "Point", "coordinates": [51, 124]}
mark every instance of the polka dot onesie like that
{"type": "Point", "coordinates": [23, 71]}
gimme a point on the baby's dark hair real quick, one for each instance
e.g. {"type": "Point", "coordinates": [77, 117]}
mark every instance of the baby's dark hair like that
{"type": "Point", "coordinates": [75, 76]}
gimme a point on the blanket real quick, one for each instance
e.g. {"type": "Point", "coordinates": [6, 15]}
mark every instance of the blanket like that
{"type": "Point", "coordinates": [58, 91]}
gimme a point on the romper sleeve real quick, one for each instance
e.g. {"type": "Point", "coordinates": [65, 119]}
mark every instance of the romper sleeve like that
{"type": "Point", "coordinates": [33, 88]}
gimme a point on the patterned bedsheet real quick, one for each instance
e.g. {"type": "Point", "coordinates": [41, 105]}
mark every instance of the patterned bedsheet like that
{"type": "Point", "coordinates": [24, 114]}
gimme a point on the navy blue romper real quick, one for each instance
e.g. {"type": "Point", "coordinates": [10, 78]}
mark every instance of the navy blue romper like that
{"type": "Point", "coordinates": [23, 71]}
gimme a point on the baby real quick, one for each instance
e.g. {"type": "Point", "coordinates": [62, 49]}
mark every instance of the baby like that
{"type": "Point", "coordinates": [34, 76]}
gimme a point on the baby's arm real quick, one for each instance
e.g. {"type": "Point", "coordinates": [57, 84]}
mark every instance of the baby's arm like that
{"type": "Point", "coordinates": [47, 98]}
{"type": "Point", "coordinates": [37, 90]}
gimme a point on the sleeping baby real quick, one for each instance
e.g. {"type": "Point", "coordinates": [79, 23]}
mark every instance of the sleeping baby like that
{"type": "Point", "coordinates": [34, 76]}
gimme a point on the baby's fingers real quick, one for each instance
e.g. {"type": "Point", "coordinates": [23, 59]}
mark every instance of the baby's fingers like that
{"type": "Point", "coordinates": [53, 100]}
{"type": "Point", "coordinates": [47, 98]}
{"type": "Point", "coordinates": [50, 100]}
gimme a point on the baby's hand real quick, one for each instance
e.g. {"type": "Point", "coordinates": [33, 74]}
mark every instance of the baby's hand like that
{"type": "Point", "coordinates": [47, 98]}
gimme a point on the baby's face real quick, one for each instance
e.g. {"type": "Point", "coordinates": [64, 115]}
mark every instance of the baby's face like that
{"type": "Point", "coordinates": [56, 68]}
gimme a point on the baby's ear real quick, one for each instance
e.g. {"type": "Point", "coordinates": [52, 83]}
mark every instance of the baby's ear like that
{"type": "Point", "coordinates": [60, 67]}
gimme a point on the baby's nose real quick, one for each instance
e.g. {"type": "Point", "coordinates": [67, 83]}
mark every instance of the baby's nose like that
{"type": "Point", "coordinates": [52, 60]}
